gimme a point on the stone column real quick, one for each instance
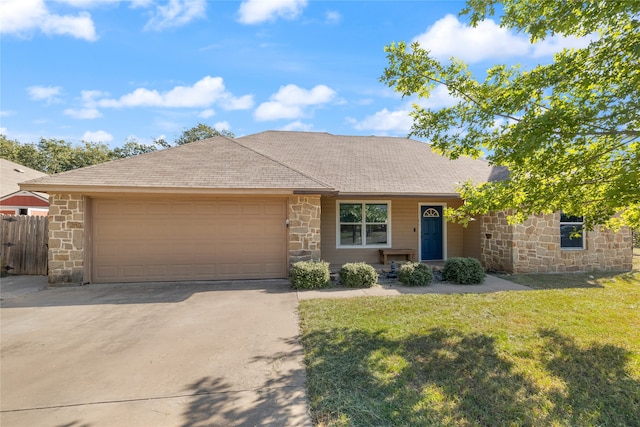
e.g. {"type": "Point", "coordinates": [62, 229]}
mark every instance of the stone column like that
{"type": "Point", "coordinates": [304, 228]}
{"type": "Point", "coordinates": [496, 242]}
{"type": "Point", "coordinates": [66, 238]}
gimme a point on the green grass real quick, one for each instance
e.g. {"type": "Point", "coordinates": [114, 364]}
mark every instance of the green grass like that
{"type": "Point", "coordinates": [553, 357]}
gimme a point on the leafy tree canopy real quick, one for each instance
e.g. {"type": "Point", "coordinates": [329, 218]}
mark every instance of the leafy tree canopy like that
{"type": "Point", "coordinates": [568, 131]}
{"type": "Point", "coordinates": [57, 155]}
{"type": "Point", "coordinates": [200, 131]}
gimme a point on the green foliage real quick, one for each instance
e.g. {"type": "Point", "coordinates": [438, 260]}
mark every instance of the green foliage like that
{"type": "Point", "coordinates": [57, 155]}
{"type": "Point", "coordinates": [309, 274]}
{"type": "Point", "coordinates": [567, 131]}
{"type": "Point", "coordinates": [358, 275]}
{"type": "Point", "coordinates": [132, 148]}
{"type": "Point", "coordinates": [199, 132]}
{"type": "Point", "coordinates": [415, 274]}
{"type": "Point", "coordinates": [465, 271]}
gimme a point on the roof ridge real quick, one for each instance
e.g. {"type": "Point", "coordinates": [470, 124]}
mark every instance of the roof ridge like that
{"type": "Point", "coordinates": [319, 181]}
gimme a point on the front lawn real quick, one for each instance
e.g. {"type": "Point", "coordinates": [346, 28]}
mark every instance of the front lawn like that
{"type": "Point", "coordinates": [562, 357]}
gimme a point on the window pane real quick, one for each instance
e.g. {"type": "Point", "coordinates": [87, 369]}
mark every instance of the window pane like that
{"type": "Point", "coordinates": [350, 212]}
{"type": "Point", "coordinates": [568, 238]}
{"type": "Point", "coordinates": [565, 218]}
{"type": "Point", "coordinates": [377, 213]}
{"type": "Point", "coordinates": [377, 234]}
{"type": "Point", "coordinates": [350, 234]}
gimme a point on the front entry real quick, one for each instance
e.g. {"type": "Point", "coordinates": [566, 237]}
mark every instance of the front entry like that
{"type": "Point", "coordinates": [431, 233]}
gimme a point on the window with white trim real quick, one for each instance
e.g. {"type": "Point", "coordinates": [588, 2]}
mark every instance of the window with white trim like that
{"type": "Point", "coordinates": [363, 224]}
{"type": "Point", "coordinates": [571, 232]}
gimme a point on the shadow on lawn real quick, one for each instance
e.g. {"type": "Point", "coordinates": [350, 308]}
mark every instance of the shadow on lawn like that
{"type": "Point", "coordinates": [451, 378]}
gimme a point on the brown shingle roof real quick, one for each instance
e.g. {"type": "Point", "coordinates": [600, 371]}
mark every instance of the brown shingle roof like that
{"type": "Point", "coordinates": [11, 174]}
{"type": "Point", "coordinates": [371, 164]}
{"type": "Point", "coordinates": [214, 163]}
{"type": "Point", "coordinates": [279, 160]}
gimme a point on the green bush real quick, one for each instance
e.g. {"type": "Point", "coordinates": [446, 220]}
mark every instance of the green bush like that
{"type": "Point", "coordinates": [415, 274]}
{"type": "Point", "coordinates": [309, 274]}
{"type": "Point", "coordinates": [464, 271]}
{"type": "Point", "coordinates": [358, 275]}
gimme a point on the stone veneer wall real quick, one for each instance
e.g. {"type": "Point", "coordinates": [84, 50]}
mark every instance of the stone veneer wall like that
{"type": "Point", "coordinates": [496, 242]}
{"type": "Point", "coordinates": [66, 238]}
{"type": "Point", "coordinates": [304, 228]}
{"type": "Point", "coordinates": [535, 247]}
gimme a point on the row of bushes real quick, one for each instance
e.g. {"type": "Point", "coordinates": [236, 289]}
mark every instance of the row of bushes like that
{"type": "Point", "coordinates": [315, 274]}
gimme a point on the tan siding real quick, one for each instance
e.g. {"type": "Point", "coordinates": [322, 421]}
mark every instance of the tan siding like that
{"type": "Point", "coordinates": [404, 230]}
{"type": "Point", "coordinates": [471, 238]}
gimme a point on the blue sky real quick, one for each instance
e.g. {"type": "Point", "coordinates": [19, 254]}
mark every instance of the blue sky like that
{"type": "Point", "coordinates": [107, 70]}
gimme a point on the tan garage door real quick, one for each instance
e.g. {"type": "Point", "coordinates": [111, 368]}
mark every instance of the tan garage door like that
{"type": "Point", "coordinates": [158, 240]}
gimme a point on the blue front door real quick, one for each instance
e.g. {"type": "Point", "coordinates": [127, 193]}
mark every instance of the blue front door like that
{"type": "Point", "coordinates": [431, 233]}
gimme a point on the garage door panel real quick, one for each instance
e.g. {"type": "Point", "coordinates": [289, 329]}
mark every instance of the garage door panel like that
{"type": "Point", "coordinates": [203, 239]}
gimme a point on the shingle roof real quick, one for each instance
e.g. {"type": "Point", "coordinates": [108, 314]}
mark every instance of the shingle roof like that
{"type": "Point", "coordinates": [214, 163]}
{"type": "Point", "coordinates": [371, 164]}
{"type": "Point", "coordinates": [279, 160]}
{"type": "Point", "coordinates": [11, 174]}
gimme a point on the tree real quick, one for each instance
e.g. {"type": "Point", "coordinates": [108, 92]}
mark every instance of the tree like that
{"type": "Point", "coordinates": [567, 131]}
{"type": "Point", "coordinates": [51, 155]}
{"type": "Point", "coordinates": [199, 132]}
{"type": "Point", "coordinates": [132, 147]}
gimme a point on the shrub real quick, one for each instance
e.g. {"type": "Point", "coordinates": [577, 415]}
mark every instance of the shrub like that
{"type": "Point", "coordinates": [464, 271]}
{"type": "Point", "coordinates": [358, 275]}
{"type": "Point", "coordinates": [310, 274]}
{"type": "Point", "coordinates": [415, 274]}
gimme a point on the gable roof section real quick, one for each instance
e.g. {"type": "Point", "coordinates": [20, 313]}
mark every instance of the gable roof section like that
{"type": "Point", "coordinates": [214, 165]}
{"type": "Point", "coordinates": [373, 165]}
{"type": "Point", "coordinates": [11, 174]}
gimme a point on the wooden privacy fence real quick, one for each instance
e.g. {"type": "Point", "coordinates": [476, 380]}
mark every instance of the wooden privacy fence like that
{"type": "Point", "coordinates": [24, 242]}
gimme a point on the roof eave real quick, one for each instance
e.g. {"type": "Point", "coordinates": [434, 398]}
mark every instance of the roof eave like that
{"type": "Point", "coordinates": [106, 189]}
{"type": "Point", "coordinates": [399, 195]}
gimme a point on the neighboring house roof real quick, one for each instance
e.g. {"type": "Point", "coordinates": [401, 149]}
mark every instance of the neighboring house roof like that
{"type": "Point", "coordinates": [372, 164]}
{"type": "Point", "coordinates": [213, 164]}
{"type": "Point", "coordinates": [12, 174]}
{"type": "Point", "coordinates": [278, 161]}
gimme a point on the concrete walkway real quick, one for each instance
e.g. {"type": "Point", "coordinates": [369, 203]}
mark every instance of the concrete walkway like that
{"type": "Point", "coordinates": [491, 284]}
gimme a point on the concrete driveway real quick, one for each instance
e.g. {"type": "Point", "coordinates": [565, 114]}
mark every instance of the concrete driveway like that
{"type": "Point", "coordinates": [188, 354]}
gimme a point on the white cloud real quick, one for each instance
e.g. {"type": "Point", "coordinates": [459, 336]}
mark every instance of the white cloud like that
{"type": "Point", "coordinates": [553, 45]}
{"type": "Point", "coordinates": [44, 93]}
{"type": "Point", "coordinates": [257, 11]}
{"type": "Point", "coordinates": [98, 136]}
{"type": "Point", "coordinates": [83, 113]}
{"type": "Point", "coordinates": [22, 17]}
{"type": "Point", "coordinates": [6, 113]}
{"type": "Point", "coordinates": [385, 120]}
{"type": "Point", "coordinates": [243, 103]}
{"type": "Point", "coordinates": [175, 13]}
{"type": "Point", "coordinates": [209, 112]}
{"type": "Point", "coordinates": [3, 130]}
{"type": "Point", "coordinates": [276, 110]}
{"type": "Point", "coordinates": [298, 125]}
{"type": "Point", "coordinates": [449, 37]}
{"type": "Point", "coordinates": [290, 100]}
{"type": "Point", "coordinates": [333, 17]}
{"type": "Point", "coordinates": [222, 125]}
{"type": "Point", "coordinates": [203, 94]}
{"type": "Point", "coordinates": [439, 98]}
